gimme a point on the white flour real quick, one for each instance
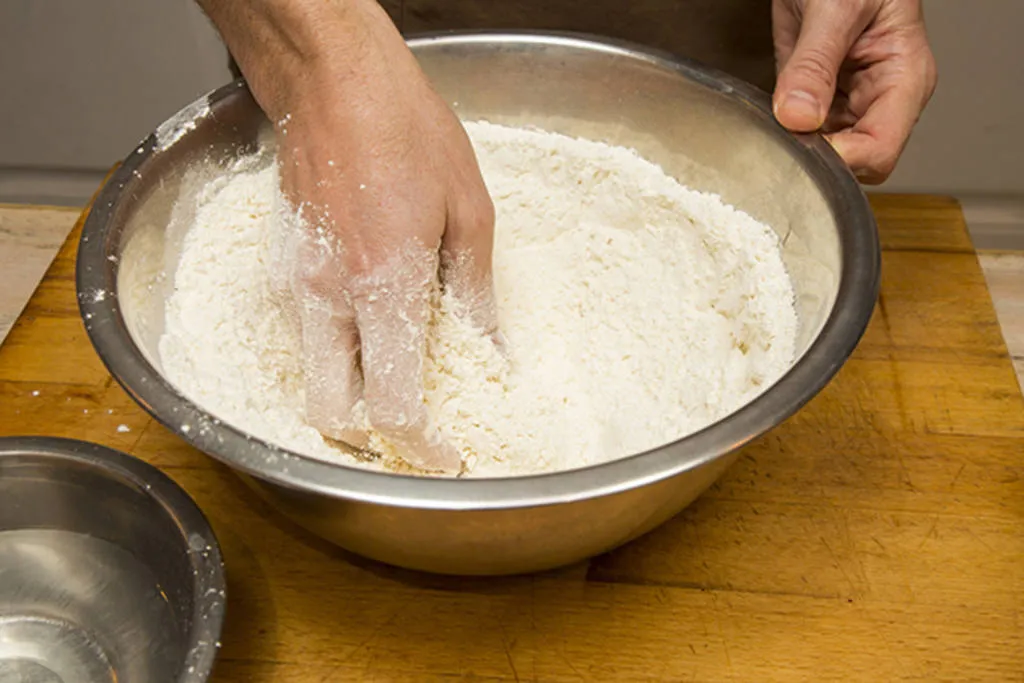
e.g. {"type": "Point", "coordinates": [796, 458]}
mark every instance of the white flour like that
{"type": "Point", "coordinates": [636, 311]}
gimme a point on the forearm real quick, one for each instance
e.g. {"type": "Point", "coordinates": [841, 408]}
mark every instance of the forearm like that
{"type": "Point", "coordinates": [285, 46]}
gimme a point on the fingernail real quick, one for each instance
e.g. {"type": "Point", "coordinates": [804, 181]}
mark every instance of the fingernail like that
{"type": "Point", "coordinates": [802, 109]}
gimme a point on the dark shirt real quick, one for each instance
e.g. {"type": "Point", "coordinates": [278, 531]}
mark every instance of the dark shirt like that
{"type": "Point", "coordinates": [731, 35]}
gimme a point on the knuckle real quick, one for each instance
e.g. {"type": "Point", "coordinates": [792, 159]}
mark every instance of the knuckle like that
{"type": "Point", "coordinates": [306, 261]}
{"type": "Point", "coordinates": [315, 269]}
{"type": "Point", "coordinates": [879, 170]}
{"type": "Point", "coordinates": [886, 167]}
{"type": "Point", "coordinates": [815, 65]}
{"type": "Point", "coordinates": [477, 215]}
{"type": "Point", "coordinates": [485, 211]}
{"type": "Point", "coordinates": [310, 281]}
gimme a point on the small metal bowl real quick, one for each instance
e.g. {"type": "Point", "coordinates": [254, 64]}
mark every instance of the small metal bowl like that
{"type": "Point", "coordinates": [710, 131]}
{"type": "Point", "coordinates": [108, 570]}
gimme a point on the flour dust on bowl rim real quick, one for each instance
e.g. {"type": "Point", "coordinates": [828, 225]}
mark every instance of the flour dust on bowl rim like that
{"type": "Point", "coordinates": [708, 130]}
{"type": "Point", "coordinates": [108, 570]}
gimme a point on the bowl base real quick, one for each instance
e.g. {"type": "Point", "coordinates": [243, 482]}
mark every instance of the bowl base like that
{"type": "Point", "coordinates": [78, 609]}
{"type": "Point", "coordinates": [39, 650]}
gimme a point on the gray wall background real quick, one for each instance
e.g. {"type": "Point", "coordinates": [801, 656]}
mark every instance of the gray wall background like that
{"type": "Point", "coordinates": [82, 80]}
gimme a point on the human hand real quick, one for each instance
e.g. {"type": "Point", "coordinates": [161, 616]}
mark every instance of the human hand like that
{"type": "Point", "coordinates": [389, 195]}
{"type": "Point", "coordinates": [861, 71]}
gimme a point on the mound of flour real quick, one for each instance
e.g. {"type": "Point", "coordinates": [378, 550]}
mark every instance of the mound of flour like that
{"type": "Point", "coordinates": [635, 311]}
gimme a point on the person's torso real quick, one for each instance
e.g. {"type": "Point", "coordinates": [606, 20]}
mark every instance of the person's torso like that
{"type": "Point", "coordinates": [731, 35]}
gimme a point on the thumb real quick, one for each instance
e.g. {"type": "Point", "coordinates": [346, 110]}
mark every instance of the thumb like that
{"type": "Point", "coordinates": [807, 81]}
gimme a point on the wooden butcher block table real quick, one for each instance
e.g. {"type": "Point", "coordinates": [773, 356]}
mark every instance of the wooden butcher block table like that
{"type": "Point", "coordinates": [878, 535]}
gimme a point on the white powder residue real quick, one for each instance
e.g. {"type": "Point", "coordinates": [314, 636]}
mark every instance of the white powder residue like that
{"type": "Point", "coordinates": [635, 311]}
{"type": "Point", "coordinates": [186, 120]}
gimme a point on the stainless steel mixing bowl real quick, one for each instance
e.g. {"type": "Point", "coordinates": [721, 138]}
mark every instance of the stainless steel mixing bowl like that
{"type": "Point", "coordinates": [108, 571]}
{"type": "Point", "coordinates": [707, 129]}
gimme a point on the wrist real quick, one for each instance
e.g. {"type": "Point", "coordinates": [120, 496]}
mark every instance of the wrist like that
{"type": "Point", "coordinates": [285, 48]}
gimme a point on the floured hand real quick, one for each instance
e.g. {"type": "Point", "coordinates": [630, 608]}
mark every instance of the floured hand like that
{"type": "Point", "coordinates": [385, 186]}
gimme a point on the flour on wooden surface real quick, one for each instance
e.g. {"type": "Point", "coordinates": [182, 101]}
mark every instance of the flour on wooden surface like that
{"type": "Point", "coordinates": [635, 310]}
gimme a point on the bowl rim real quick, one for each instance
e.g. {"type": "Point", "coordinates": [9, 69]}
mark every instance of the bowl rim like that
{"type": "Point", "coordinates": [859, 284]}
{"type": "Point", "coordinates": [209, 587]}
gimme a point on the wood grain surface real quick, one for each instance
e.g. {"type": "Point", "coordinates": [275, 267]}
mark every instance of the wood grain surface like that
{"type": "Point", "coordinates": [29, 237]}
{"type": "Point", "coordinates": [876, 536]}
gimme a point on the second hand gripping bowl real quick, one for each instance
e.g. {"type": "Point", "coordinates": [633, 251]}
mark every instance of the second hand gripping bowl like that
{"type": "Point", "coordinates": [712, 132]}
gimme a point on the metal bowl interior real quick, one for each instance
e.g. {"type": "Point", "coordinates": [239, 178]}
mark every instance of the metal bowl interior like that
{"type": "Point", "coordinates": [710, 131]}
{"type": "Point", "coordinates": [108, 571]}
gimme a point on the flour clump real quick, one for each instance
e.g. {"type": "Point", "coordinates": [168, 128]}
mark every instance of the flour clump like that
{"type": "Point", "coordinates": [635, 311]}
